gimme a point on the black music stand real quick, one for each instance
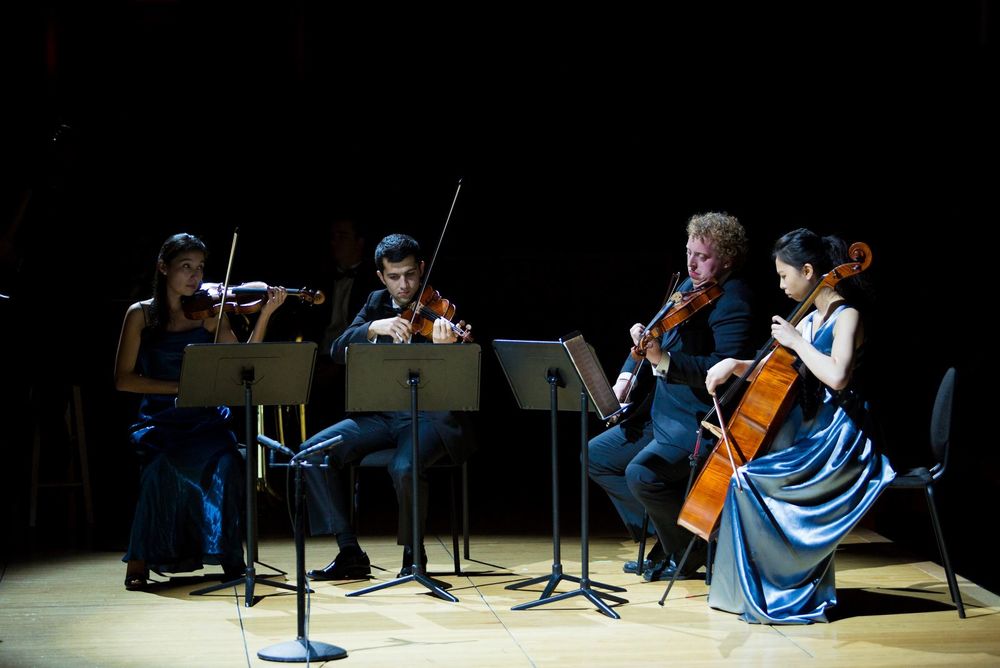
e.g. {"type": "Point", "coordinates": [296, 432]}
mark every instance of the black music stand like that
{"type": "Point", "coordinates": [302, 648]}
{"type": "Point", "coordinates": [386, 377]}
{"type": "Point", "coordinates": [259, 374]}
{"type": "Point", "coordinates": [529, 367]}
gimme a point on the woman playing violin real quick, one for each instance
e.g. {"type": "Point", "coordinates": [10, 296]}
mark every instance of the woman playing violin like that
{"type": "Point", "coordinates": [192, 466]}
{"type": "Point", "coordinates": [774, 563]}
{"type": "Point", "coordinates": [386, 317]}
{"type": "Point", "coordinates": [643, 464]}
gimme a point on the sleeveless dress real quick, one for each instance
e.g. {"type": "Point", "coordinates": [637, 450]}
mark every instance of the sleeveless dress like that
{"type": "Point", "coordinates": [189, 511]}
{"type": "Point", "coordinates": [774, 561]}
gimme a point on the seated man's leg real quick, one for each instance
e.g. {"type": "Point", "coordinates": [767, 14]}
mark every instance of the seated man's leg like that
{"type": "Point", "coordinates": [431, 449]}
{"type": "Point", "coordinates": [328, 490]}
{"type": "Point", "coordinates": [609, 454]}
{"type": "Point", "coordinates": [658, 478]}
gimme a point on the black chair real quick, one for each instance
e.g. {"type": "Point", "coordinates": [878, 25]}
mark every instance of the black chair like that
{"type": "Point", "coordinates": [382, 458]}
{"type": "Point", "coordinates": [925, 478]}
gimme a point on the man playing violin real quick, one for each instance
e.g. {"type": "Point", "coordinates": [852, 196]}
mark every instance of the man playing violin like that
{"type": "Point", "coordinates": [400, 269]}
{"type": "Point", "coordinates": [644, 463]}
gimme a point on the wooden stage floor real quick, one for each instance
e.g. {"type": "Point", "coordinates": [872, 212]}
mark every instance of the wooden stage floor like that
{"type": "Point", "coordinates": [893, 611]}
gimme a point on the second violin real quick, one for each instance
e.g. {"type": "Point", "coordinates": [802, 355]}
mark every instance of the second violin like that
{"type": "Point", "coordinates": [429, 307]}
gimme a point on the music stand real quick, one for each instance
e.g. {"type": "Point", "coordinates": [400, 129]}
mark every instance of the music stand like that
{"type": "Point", "coordinates": [260, 374]}
{"type": "Point", "coordinates": [386, 377]}
{"type": "Point", "coordinates": [559, 363]}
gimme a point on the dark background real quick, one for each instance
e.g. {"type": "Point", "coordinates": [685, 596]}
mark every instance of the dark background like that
{"type": "Point", "coordinates": [585, 141]}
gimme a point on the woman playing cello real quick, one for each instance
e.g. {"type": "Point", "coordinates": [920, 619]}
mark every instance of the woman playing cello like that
{"type": "Point", "coordinates": [786, 512]}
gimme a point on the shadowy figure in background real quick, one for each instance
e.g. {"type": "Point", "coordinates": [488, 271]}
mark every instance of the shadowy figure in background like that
{"type": "Point", "coordinates": [346, 280]}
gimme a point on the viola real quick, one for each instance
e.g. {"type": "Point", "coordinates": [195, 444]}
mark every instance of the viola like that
{"type": "Point", "coordinates": [240, 299]}
{"type": "Point", "coordinates": [678, 308]}
{"type": "Point", "coordinates": [429, 308]}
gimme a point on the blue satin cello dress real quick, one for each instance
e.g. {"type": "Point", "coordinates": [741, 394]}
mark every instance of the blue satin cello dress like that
{"type": "Point", "coordinates": [191, 490]}
{"type": "Point", "coordinates": [777, 537]}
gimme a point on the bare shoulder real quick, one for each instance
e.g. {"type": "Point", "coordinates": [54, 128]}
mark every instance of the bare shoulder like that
{"type": "Point", "coordinates": [136, 313]}
{"type": "Point", "coordinates": [850, 316]}
{"type": "Point", "coordinates": [849, 323]}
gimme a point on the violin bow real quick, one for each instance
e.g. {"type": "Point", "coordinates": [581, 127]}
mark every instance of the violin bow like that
{"type": "Point", "coordinates": [430, 267]}
{"type": "Point", "coordinates": [225, 285]}
{"type": "Point", "coordinates": [671, 288]}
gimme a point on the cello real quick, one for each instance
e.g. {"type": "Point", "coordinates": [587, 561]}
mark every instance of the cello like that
{"type": "Point", "coordinates": [762, 410]}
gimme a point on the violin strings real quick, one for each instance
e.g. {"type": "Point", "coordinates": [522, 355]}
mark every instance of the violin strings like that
{"type": "Point", "coordinates": [428, 313]}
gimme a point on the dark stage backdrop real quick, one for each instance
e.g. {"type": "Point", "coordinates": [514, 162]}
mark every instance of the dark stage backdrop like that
{"type": "Point", "coordinates": [585, 141]}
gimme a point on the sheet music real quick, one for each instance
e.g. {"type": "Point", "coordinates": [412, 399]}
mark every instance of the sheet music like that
{"type": "Point", "coordinates": [600, 391]}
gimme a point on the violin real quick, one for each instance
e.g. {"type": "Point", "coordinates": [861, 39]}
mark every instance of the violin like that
{"type": "Point", "coordinates": [240, 299]}
{"type": "Point", "coordinates": [429, 308]}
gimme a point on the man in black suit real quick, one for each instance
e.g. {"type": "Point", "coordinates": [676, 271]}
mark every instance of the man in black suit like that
{"type": "Point", "coordinates": [400, 269]}
{"type": "Point", "coordinates": [644, 463]}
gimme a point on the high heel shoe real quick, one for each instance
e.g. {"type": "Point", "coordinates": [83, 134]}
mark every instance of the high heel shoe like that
{"type": "Point", "coordinates": [136, 575]}
{"type": "Point", "coordinates": [136, 581]}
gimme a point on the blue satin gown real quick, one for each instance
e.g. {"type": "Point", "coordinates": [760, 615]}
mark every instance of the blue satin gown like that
{"type": "Point", "coordinates": [774, 562]}
{"type": "Point", "coordinates": [191, 491]}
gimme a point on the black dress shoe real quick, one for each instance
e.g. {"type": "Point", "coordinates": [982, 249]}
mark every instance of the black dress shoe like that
{"type": "Point", "coordinates": [350, 566]}
{"type": "Point", "coordinates": [632, 566]}
{"type": "Point", "coordinates": [655, 554]}
{"type": "Point", "coordinates": [233, 572]}
{"type": "Point", "coordinates": [664, 570]}
{"type": "Point", "coordinates": [407, 568]}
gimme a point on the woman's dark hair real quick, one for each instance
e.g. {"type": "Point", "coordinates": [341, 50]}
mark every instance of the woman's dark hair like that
{"type": "Point", "coordinates": [171, 248]}
{"type": "Point", "coordinates": [396, 248]}
{"type": "Point", "coordinates": [802, 246]}
{"type": "Point", "coordinates": [799, 248]}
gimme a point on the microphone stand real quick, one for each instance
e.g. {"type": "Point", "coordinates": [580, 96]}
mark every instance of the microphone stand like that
{"type": "Point", "coordinates": [301, 649]}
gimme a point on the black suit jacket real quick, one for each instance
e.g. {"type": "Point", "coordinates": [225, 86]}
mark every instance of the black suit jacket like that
{"type": "Point", "coordinates": [714, 333]}
{"type": "Point", "coordinates": [450, 426]}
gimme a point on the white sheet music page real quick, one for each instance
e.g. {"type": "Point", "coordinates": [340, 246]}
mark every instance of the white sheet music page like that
{"type": "Point", "coordinates": [600, 391]}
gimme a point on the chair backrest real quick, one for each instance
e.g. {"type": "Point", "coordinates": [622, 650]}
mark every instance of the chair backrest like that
{"type": "Point", "coordinates": [941, 420]}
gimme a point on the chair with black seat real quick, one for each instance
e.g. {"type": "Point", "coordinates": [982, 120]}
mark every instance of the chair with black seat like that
{"type": "Point", "coordinates": [383, 458]}
{"type": "Point", "coordinates": [925, 478]}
